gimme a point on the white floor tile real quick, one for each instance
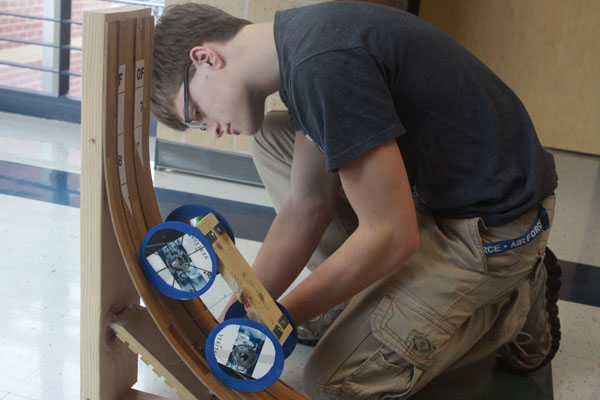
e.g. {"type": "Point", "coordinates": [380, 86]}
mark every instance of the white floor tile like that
{"type": "Point", "coordinates": [576, 367]}
{"type": "Point", "coordinates": [11, 396]}
{"type": "Point", "coordinates": [58, 146]}
{"type": "Point", "coordinates": [43, 349]}
{"type": "Point", "coordinates": [40, 285]}
{"type": "Point", "coordinates": [576, 232]}
{"type": "Point", "coordinates": [40, 142]}
{"type": "Point", "coordinates": [40, 255]}
{"type": "Point", "coordinates": [294, 367]}
{"type": "Point", "coordinates": [56, 378]}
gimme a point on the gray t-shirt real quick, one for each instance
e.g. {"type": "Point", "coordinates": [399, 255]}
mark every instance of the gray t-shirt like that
{"type": "Point", "coordinates": [356, 75]}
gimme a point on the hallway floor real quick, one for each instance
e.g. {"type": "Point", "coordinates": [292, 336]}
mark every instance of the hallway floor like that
{"type": "Point", "coordinates": [40, 279]}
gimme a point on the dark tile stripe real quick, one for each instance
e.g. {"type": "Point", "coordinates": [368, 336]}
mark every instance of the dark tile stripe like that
{"type": "Point", "coordinates": [37, 183]}
{"type": "Point", "coordinates": [249, 221]}
{"type": "Point", "coordinates": [580, 281]}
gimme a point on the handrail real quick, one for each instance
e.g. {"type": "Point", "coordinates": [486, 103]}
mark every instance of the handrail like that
{"type": "Point", "coordinates": [45, 44]}
{"type": "Point", "coordinates": [64, 46]}
{"type": "Point", "coordinates": [40, 68]}
{"type": "Point", "coordinates": [48, 19]}
{"type": "Point", "coordinates": [29, 66]}
{"type": "Point", "coordinates": [138, 3]}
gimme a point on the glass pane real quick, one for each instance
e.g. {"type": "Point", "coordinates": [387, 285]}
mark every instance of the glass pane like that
{"type": "Point", "coordinates": [45, 31]}
{"type": "Point", "coordinates": [75, 86]}
{"type": "Point", "coordinates": [21, 78]}
{"type": "Point", "coordinates": [77, 9]}
{"type": "Point", "coordinates": [75, 81]}
{"type": "Point", "coordinates": [21, 53]}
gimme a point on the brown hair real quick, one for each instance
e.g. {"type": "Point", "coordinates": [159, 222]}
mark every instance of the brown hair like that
{"type": "Point", "coordinates": [178, 30]}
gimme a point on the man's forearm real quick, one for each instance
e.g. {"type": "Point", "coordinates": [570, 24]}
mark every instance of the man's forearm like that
{"type": "Point", "coordinates": [290, 242]}
{"type": "Point", "coordinates": [363, 259]}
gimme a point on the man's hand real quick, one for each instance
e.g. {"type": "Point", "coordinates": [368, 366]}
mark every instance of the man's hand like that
{"type": "Point", "coordinates": [378, 189]}
{"type": "Point", "coordinates": [301, 221]}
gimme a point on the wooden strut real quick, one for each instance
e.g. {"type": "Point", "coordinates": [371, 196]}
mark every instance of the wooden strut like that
{"type": "Point", "coordinates": [118, 207]}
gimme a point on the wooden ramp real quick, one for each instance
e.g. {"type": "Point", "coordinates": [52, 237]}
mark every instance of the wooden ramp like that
{"type": "Point", "coordinates": [118, 207]}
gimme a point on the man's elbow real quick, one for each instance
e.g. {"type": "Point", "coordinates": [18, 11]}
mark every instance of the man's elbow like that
{"type": "Point", "coordinates": [320, 209]}
{"type": "Point", "coordinates": [406, 244]}
{"type": "Point", "coordinates": [413, 243]}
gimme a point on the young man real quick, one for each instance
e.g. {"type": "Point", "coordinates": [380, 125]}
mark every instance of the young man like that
{"type": "Point", "coordinates": [408, 171]}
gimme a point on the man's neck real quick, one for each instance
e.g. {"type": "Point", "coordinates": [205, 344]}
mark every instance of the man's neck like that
{"type": "Point", "coordinates": [252, 54]}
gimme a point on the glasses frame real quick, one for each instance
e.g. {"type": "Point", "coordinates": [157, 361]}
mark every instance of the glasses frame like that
{"type": "Point", "coordinates": [190, 123]}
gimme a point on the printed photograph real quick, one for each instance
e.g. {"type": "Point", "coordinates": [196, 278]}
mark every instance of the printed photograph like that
{"type": "Point", "coordinates": [244, 352]}
{"type": "Point", "coordinates": [182, 262]}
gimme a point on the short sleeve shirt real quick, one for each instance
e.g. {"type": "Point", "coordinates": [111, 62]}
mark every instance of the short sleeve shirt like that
{"type": "Point", "coordinates": [357, 75]}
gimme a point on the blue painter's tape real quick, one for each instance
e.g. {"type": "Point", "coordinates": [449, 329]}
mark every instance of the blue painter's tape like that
{"type": "Point", "coordinates": [178, 260]}
{"type": "Point", "coordinates": [244, 355]}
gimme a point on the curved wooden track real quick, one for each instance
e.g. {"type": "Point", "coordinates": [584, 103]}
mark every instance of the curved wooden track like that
{"type": "Point", "coordinates": [131, 198]}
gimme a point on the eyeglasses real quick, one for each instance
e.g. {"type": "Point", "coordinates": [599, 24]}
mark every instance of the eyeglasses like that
{"type": "Point", "coordinates": [190, 123]}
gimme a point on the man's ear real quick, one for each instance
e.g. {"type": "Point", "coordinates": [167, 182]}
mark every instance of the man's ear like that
{"type": "Point", "coordinates": [206, 57]}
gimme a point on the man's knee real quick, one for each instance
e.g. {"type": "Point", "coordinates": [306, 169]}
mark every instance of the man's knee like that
{"type": "Point", "coordinates": [310, 383]}
{"type": "Point", "coordinates": [367, 373]}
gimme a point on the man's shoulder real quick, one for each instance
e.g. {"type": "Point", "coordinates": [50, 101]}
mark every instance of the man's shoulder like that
{"type": "Point", "coordinates": [338, 9]}
{"type": "Point", "coordinates": [385, 32]}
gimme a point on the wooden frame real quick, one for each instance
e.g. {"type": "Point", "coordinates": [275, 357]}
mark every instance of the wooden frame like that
{"type": "Point", "coordinates": [118, 207]}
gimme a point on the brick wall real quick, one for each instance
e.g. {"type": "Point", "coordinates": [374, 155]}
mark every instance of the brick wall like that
{"type": "Point", "coordinates": [28, 29]}
{"type": "Point", "coordinates": [17, 27]}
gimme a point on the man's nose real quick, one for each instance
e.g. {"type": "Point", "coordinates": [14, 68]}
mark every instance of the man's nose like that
{"type": "Point", "coordinates": [215, 128]}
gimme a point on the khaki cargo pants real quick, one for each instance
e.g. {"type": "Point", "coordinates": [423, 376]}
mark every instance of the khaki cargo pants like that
{"type": "Point", "coordinates": [447, 306]}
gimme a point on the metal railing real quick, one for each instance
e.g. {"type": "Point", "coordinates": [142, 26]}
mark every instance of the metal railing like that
{"type": "Point", "coordinates": [64, 40]}
{"type": "Point", "coordinates": [64, 45]}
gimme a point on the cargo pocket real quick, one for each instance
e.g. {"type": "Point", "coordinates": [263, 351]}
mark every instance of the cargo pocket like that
{"type": "Point", "coordinates": [411, 329]}
{"type": "Point", "coordinates": [384, 375]}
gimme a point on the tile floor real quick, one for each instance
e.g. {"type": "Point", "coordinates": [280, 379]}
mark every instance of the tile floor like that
{"type": "Point", "coordinates": [40, 285]}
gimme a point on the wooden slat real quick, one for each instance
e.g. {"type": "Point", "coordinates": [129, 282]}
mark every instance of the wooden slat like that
{"type": "Point", "coordinates": [133, 394]}
{"type": "Point", "coordinates": [133, 210]}
{"type": "Point", "coordinates": [143, 59]}
{"type": "Point", "coordinates": [193, 328]}
{"type": "Point", "coordinates": [125, 69]}
{"type": "Point", "coordinates": [107, 367]}
{"type": "Point", "coordinates": [164, 311]}
{"type": "Point", "coordinates": [243, 282]}
{"type": "Point", "coordinates": [138, 330]}
{"type": "Point", "coordinates": [200, 324]}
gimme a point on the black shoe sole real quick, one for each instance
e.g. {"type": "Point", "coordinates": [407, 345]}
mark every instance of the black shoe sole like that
{"type": "Point", "coordinates": [308, 342]}
{"type": "Point", "coordinates": [553, 283]}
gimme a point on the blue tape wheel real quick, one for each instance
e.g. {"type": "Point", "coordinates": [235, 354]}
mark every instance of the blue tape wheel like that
{"type": "Point", "coordinates": [193, 213]}
{"type": "Point", "coordinates": [244, 355]}
{"type": "Point", "coordinates": [237, 310]}
{"type": "Point", "coordinates": [178, 260]}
